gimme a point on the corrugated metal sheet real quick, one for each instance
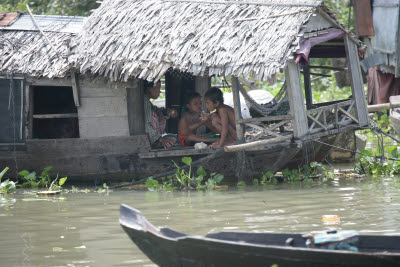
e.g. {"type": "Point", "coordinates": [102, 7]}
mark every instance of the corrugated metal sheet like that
{"type": "Point", "coordinates": [47, 23]}
{"type": "Point", "coordinates": [8, 18]}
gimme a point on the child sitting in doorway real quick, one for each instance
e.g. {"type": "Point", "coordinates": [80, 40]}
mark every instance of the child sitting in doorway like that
{"type": "Point", "coordinates": [192, 120]}
{"type": "Point", "coordinates": [223, 120]}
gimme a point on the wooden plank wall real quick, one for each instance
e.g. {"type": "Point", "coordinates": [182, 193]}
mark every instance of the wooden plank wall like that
{"type": "Point", "coordinates": [103, 110]}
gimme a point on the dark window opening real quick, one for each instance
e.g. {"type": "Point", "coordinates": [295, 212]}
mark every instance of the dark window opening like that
{"type": "Point", "coordinates": [177, 85]}
{"type": "Point", "coordinates": [54, 113]}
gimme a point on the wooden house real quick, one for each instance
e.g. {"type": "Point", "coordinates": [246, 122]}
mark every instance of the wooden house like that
{"type": "Point", "coordinates": [125, 42]}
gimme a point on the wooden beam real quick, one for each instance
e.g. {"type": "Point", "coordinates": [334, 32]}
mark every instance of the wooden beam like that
{"type": "Point", "coordinates": [307, 86]}
{"type": "Point", "coordinates": [316, 121]}
{"type": "Point", "coordinates": [237, 108]}
{"type": "Point", "coordinates": [176, 153]}
{"type": "Point", "coordinates": [135, 102]}
{"type": "Point", "coordinates": [296, 100]}
{"type": "Point", "coordinates": [326, 67]}
{"type": "Point", "coordinates": [335, 23]}
{"type": "Point", "coordinates": [241, 147]}
{"type": "Point", "coordinates": [56, 116]}
{"type": "Point", "coordinates": [356, 81]}
{"type": "Point", "coordinates": [75, 88]}
{"type": "Point", "coordinates": [269, 118]}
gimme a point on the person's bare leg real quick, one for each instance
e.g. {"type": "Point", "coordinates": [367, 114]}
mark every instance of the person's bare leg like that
{"type": "Point", "coordinates": [216, 122]}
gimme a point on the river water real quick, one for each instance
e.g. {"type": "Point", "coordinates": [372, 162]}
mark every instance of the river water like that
{"type": "Point", "coordinates": [82, 229]}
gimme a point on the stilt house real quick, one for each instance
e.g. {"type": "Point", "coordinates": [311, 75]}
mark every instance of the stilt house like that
{"type": "Point", "coordinates": [187, 42]}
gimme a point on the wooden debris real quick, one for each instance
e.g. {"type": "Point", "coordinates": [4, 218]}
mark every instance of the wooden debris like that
{"type": "Point", "coordinates": [48, 193]}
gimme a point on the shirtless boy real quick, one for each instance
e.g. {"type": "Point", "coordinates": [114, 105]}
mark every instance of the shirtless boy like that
{"type": "Point", "coordinates": [192, 120]}
{"type": "Point", "coordinates": [223, 120]}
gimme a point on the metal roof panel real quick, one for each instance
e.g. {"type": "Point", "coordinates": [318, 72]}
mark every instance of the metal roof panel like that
{"type": "Point", "coordinates": [48, 23]}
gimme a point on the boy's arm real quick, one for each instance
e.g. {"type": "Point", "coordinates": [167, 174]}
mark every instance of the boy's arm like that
{"type": "Point", "coordinates": [223, 114]}
{"type": "Point", "coordinates": [194, 126]}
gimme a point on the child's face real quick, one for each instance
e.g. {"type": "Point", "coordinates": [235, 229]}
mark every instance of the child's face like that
{"type": "Point", "coordinates": [154, 92]}
{"type": "Point", "coordinates": [211, 106]}
{"type": "Point", "coordinates": [194, 105]}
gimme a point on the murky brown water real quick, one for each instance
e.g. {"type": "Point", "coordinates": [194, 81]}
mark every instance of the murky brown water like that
{"type": "Point", "coordinates": [78, 229]}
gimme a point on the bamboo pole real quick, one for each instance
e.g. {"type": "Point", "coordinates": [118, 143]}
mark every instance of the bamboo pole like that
{"type": "Point", "coordinates": [37, 25]}
{"type": "Point", "coordinates": [379, 107]}
{"type": "Point", "coordinates": [244, 146]}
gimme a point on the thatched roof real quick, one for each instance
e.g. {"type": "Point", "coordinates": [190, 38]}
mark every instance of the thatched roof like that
{"type": "Point", "coordinates": [24, 50]}
{"type": "Point", "coordinates": [130, 38]}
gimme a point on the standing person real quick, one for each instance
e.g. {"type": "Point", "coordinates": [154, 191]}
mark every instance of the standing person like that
{"type": "Point", "coordinates": [155, 118]}
{"type": "Point", "coordinates": [223, 120]}
{"type": "Point", "coordinates": [192, 120]}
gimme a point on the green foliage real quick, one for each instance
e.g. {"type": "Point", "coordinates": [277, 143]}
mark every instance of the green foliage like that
{"type": "Point", "coordinates": [304, 173]}
{"type": "Point", "coordinates": [241, 184]}
{"type": "Point", "coordinates": [51, 7]}
{"type": "Point", "coordinates": [382, 119]}
{"type": "Point", "coordinates": [30, 180]}
{"type": "Point", "coordinates": [7, 186]}
{"type": "Point", "coordinates": [104, 189]}
{"type": "Point", "coordinates": [291, 175]}
{"type": "Point", "coordinates": [371, 163]}
{"type": "Point", "coordinates": [268, 177]}
{"type": "Point", "coordinates": [57, 185]}
{"type": "Point", "coordinates": [187, 180]}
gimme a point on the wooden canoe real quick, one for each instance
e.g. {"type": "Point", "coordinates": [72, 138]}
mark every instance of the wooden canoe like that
{"type": "Point", "coordinates": [167, 247]}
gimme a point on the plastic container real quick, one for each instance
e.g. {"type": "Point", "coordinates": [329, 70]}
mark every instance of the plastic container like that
{"type": "Point", "coordinates": [331, 219]}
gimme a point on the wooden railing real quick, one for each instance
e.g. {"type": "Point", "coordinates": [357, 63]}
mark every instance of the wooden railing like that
{"type": "Point", "coordinates": [331, 116]}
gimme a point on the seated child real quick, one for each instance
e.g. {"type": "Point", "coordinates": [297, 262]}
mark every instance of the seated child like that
{"type": "Point", "coordinates": [192, 120]}
{"type": "Point", "coordinates": [223, 120]}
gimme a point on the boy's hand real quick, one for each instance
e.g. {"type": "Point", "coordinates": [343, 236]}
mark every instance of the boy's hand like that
{"type": "Point", "coordinates": [166, 143]}
{"type": "Point", "coordinates": [215, 145]}
{"type": "Point", "coordinates": [172, 113]}
{"type": "Point", "coordinates": [204, 117]}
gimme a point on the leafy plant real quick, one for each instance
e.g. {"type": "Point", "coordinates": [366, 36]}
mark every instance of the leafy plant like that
{"type": "Point", "coordinates": [7, 186]}
{"type": "Point", "coordinates": [382, 119]}
{"type": "Point", "coordinates": [373, 164]}
{"type": "Point", "coordinates": [31, 180]}
{"type": "Point", "coordinates": [57, 185]}
{"type": "Point", "coordinates": [104, 189]}
{"type": "Point", "coordinates": [291, 175]}
{"type": "Point", "coordinates": [268, 177]}
{"type": "Point", "coordinates": [188, 180]}
{"type": "Point", "coordinates": [241, 184]}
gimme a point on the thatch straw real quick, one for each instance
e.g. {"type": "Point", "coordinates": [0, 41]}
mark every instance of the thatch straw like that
{"type": "Point", "coordinates": [128, 38]}
{"type": "Point", "coordinates": [27, 52]}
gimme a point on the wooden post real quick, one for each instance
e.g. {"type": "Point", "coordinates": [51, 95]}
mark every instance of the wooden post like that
{"type": "Point", "coordinates": [237, 108]}
{"type": "Point", "coordinates": [296, 100]}
{"type": "Point", "coordinates": [134, 97]}
{"type": "Point", "coordinates": [356, 81]}
{"type": "Point", "coordinates": [75, 88]}
{"type": "Point", "coordinates": [29, 117]}
{"type": "Point", "coordinates": [240, 162]}
{"type": "Point", "coordinates": [202, 84]}
{"type": "Point", "coordinates": [307, 87]}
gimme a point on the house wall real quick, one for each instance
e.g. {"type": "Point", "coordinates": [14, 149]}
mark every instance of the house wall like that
{"type": "Point", "coordinates": [103, 110]}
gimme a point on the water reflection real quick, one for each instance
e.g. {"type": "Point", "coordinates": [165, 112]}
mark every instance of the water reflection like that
{"type": "Point", "coordinates": [78, 229]}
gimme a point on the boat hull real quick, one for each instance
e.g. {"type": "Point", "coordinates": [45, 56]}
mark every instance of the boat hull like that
{"type": "Point", "coordinates": [166, 247]}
